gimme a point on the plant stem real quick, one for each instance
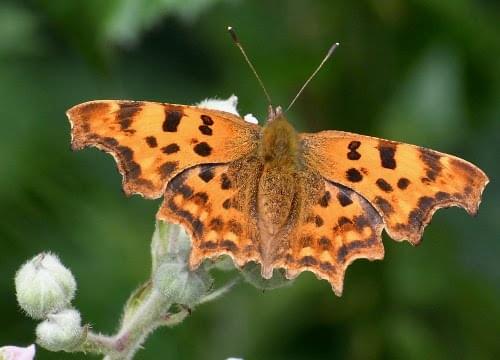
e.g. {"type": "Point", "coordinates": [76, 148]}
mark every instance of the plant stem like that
{"type": "Point", "coordinates": [125, 344]}
{"type": "Point", "coordinates": [143, 322]}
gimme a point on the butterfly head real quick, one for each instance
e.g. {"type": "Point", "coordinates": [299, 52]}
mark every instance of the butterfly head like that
{"type": "Point", "coordinates": [279, 140]}
{"type": "Point", "coordinates": [274, 113]}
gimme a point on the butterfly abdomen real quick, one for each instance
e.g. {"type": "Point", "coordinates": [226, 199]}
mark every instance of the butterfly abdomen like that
{"type": "Point", "coordinates": [278, 186]}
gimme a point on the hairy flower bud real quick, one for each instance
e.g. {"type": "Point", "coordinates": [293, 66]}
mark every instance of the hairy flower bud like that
{"type": "Point", "coordinates": [174, 280]}
{"type": "Point", "coordinates": [170, 241]}
{"type": "Point", "coordinates": [228, 105]}
{"type": "Point", "coordinates": [44, 285]}
{"type": "Point", "coordinates": [60, 331]}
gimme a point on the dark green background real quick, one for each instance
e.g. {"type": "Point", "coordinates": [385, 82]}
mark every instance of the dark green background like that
{"type": "Point", "coordinates": [419, 71]}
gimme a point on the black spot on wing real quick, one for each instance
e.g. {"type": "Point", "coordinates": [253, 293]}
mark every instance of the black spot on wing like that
{"type": "Point", "coordinates": [225, 182]}
{"type": "Point", "coordinates": [172, 120]}
{"type": "Point", "coordinates": [344, 221]}
{"type": "Point", "coordinates": [383, 185]}
{"type": "Point", "coordinates": [352, 246]}
{"type": "Point", "coordinates": [325, 243]}
{"type": "Point", "coordinates": [235, 227]}
{"type": "Point", "coordinates": [170, 149]}
{"type": "Point", "coordinates": [131, 168]}
{"type": "Point", "coordinates": [403, 183]}
{"type": "Point", "coordinates": [229, 245]}
{"type": "Point", "coordinates": [383, 205]}
{"type": "Point", "coordinates": [353, 175]}
{"type": "Point", "coordinates": [127, 111]}
{"type": "Point", "coordinates": [361, 222]}
{"type": "Point", "coordinates": [208, 245]}
{"type": "Point", "coordinates": [207, 120]}
{"type": "Point", "coordinates": [325, 199]}
{"type": "Point", "coordinates": [226, 204]}
{"type": "Point", "coordinates": [308, 261]}
{"type": "Point", "coordinates": [417, 216]}
{"type": "Point", "coordinates": [206, 174]}
{"type": "Point", "coordinates": [205, 130]}
{"type": "Point", "coordinates": [442, 196]}
{"type": "Point", "coordinates": [196, 224]}
{"type": "Point", "coordinates": [353, 154]}
{"type": "Point", "coordinates": [343, 198]}
{"type": "Point", "coordinates": [216, 224]}
{"type": "Point", "coordinates": [387, 151]}
{"type": "Point", "coordinates": [109, 142]}
{"type": "Point", "coordinates": [151, 141]}
{"type": "Point", "coordinates": [432, 162]}
{"type": "Point", "coordinates": [200, 198]}
{"type": "Point", "coordinates": [185, 190]}
{"type": "Point", "coordinates": [203, 149]}
{"type": "Point", "coordinates": [326, 267]}
{"type": "Point", "coordinates": [168, 168]}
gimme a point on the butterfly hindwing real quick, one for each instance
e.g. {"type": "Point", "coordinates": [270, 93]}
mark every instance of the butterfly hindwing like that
{"type": "Point", "coordinates": [405, 183]}
{"type": "Point", "coordinates": [217, 206]}
{"type": "Point", "coordinates": [335, 226]}
{"type": "Point", "coordinates": [152, 142]}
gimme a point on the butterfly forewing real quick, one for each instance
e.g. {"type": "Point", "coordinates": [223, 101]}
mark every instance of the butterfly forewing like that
{"type": "Point", "coordinates": [405, 183]}
{"type": "Point", "coordinates": [152, 142]}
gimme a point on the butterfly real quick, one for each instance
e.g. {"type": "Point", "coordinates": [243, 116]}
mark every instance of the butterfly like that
{"type": "Point", "coordinates": [286, 200]}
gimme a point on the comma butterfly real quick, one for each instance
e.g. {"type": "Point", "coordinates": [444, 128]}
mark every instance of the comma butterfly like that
{"type": "Point", "coordinates": [297, 201]}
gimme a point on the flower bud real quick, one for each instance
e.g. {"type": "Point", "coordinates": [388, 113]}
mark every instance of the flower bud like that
{"type": "Point", "coordinates": [17, 353]}
{"type": "Point", "coordinates": [169, 241]}
{"type": "Point", "coordinates": [251, 273]}
{"type": "Point", "coordinates": [181, 286]}
{"type": "Point", "coordinates": [44, 285]}
{"type": "Point", "coordinates": [60, 331]}
{"type": "Point", "coordinates": [228, 105]}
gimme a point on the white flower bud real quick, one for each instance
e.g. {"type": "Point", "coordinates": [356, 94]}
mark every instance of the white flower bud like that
{"type": "Point", "coordinates": [169, 241]}
{"type": "Point", "coordinates": [17, 353]}
{"type": "Point", "coordinates": [251, 119]}
{"type": "Point", "coordinates": [61, 331]}
{"type": "Point", "coordinates": [229, 105]}
{"type": "Point", "coordinates": [44, 285]}
{"type": "Point", "coordinates": [181, 286]}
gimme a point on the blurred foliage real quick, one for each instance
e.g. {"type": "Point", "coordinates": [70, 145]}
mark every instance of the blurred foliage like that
{"type": "Point", "coordinates": [421, 71]}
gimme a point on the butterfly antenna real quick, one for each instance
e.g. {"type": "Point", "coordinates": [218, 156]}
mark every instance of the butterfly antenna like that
{"type": "Point", "coordinates": [327, 56]}
{"type": "Point", "coordinates": [238, 44]}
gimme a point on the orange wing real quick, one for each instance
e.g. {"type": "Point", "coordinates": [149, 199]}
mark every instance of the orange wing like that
{"type": "Point", "coordinates": [217, 206]}
{"type": "Point", "coordinates": [336, 227]}
{"type": "Point", "coordinates": [152, 142]}
{"type": "Point", "coordinates": [405, 183]}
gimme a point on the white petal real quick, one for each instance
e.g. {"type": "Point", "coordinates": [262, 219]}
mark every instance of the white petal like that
{"type": "Point", "coordinates": [17, 353]}
{"type": "Point", "coordinates": [251, 119]}
{"type": "Point", "coordinates": [229, 105]}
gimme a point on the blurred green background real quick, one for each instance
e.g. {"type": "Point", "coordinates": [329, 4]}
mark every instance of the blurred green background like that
{"type": "Point", "coordinates": [418, 71]}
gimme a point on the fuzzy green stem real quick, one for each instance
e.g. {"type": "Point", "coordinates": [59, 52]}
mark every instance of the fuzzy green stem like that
{"type": "Point", "coordinates": [140, 325]}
